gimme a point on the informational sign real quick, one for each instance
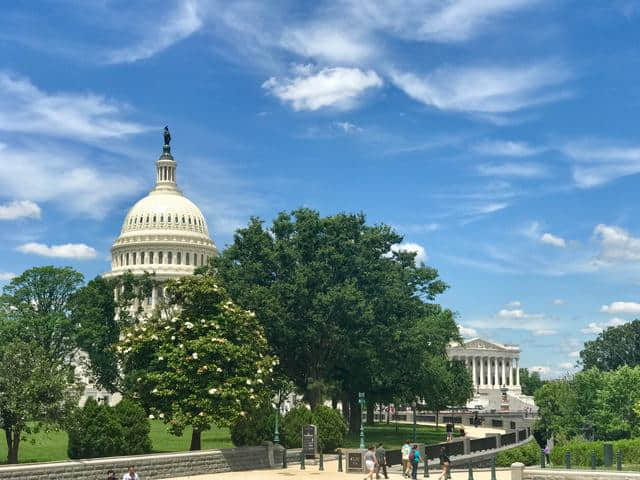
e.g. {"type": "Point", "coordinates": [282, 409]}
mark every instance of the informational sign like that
{"type": "Point", "coordinates": [354, 461]}
{"type": "Point", "coordinates": [309, 440]}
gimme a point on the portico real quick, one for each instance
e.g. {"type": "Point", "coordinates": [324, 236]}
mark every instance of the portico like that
{"type": "Point", "coordinates": [492, 365]}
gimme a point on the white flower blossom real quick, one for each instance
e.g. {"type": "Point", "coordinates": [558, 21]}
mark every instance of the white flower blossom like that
{"type": "Point", "coordinates": [195, 355]}
{"type": "Point", "coordinates": [201, 414]}
{"type": "Point", "coordinates": [155, 390]}
{"type": "Point", "coordinates": [151, 416]}
{"type": "Point", "coordinates": [167, 327]}
{"type": "Point", "coordinates": [260, 380]}
{"type": "Point", "coordinates": [189, 325]}
{"type": "Point", "coordinates": [174, 320]}
{"type": "Point", "coordinates": [173, 337]}
{"type": "Point", "coordinates": [161, 415]}
{"type": "Point", "coordinates": [213, 391]}
{"type": "Point", "coordinates": [248, 382]}
{"type": "Point", "coordinates": [181, 345]}
{"type": "Point", "coordinates": [129, 335]}
{"type": "Point", "coordinates": [218, 369]}
{"type": "Point", "coordinates": [161, 358]}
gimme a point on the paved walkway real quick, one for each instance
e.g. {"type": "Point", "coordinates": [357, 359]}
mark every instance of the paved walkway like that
{"type": "Point", "coordinates": [331, 473]}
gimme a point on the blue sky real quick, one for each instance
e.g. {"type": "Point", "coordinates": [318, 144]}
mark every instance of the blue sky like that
{"type": "Point", "coordinates": [500, 137]}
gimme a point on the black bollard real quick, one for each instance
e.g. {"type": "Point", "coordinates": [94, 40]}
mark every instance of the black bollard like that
{"type": "Point", "coordinates": [284, 458]}
{"type": "Point", "coordinates": [302, 461]}
{"type": "Point", "coordinates": [567, 460]}
{"type": "Point", "coordinates": [340, 461]}
{"type": "Point", "coordinates": [493, 469]}
{"type": "Point", "coordinates": [426, 468]}
{"type": "Point", "coordinates": [593, 459]}
{"type": "Point", "coordinates": [542, 459]}
{"type": "Point", "coordinates": [321, 463]}
{"type": "Point", "coordinates": [619, 460]}
{"type": "Point", "coordinates": [470, 477]}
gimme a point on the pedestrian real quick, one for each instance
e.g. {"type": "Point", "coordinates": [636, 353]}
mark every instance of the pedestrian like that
{"type": "Point", "coordinates": [414, 457]}
{"type": "Point", "coordinates": [406, 451]}
{"type": "Point", "coordinates": [449, 431]}
{"type": "Point", "coordinates": [444, 464]}
{"type": "Point", "coordinates": [131, 474]}
{"type": "Point", "coordinates": [547, 451]}
{"type": "Point", "coordinates": [370, 462]}
{"type": "Point", "coordinates": [462, 432]}
{"type": "Point", "coordinates": [382, 461]}
{"type": "Point", "coordinates": [111, 475]}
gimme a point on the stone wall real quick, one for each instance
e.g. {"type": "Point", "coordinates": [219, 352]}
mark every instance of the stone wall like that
{"type": "Point", "coordinates": [550, 474]}
{"type": "Point", "coordinates": [149, 467]}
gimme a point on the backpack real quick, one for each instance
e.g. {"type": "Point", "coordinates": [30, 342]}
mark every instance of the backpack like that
{"type": "Point", "coordinates": [412, 456]}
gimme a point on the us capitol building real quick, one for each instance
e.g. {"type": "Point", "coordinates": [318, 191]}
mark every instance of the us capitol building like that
{"type": "Point", "coordinates": [165, 234]}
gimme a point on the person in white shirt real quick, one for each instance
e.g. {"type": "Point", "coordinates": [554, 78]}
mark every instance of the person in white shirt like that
{"type": "Point", "coordinates": [406, 466]}
{"type": "Point", "coordinates": [131, 474]}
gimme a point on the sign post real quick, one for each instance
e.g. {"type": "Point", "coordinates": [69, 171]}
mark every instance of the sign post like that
{"type": "Point", "coordinates": [309, 441]}
{"type": "Point", "coordinates": [362, 406]}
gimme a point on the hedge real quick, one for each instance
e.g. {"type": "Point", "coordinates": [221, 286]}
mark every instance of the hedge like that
{"type": "Point", "coordinates": [529, 454]}
{"type": "Point", "coordinates": [581, 451]}
{"type": "Point", "coordinates": [255, 428]}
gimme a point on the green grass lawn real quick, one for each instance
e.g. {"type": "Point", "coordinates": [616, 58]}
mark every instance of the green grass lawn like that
{"type": "Point", "coordinates": [381, 432]}
{"type": "Point", "coordinates": [53, 446]}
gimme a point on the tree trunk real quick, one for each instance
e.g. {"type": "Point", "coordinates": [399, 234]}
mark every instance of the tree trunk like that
{"type": "Point", "coordinates": [437, 415]}
{"type": "Point", "coordinates": [355, 419]}
{"type": "Point", "coordinates": [370, 412]}
{"type": "Point", "coordinates": [345, 407]}
{"type": "Point", "coordinates": [196, 440]}
{"type": "Point", "coordinates": [13, 442]}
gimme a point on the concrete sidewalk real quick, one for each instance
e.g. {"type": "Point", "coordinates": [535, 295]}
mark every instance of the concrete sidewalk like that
{"type": "Point", "coordinates": [331, 473]}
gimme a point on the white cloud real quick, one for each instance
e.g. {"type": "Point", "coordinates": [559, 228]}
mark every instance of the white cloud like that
{"type": "Point", "coordinates": [337, 87]}
{"type": "Point", "coordinates": [506, 148]}
{"type": "Point", "coordinates": [517, 319]}
{"type": "Point", "coordinates": [6, 276]}
{"type": "Point", "coordinates": [551, 239]}
{"type": "Point", "coordinates": [467, 332]}
{"type": "Point", "coordinates": [514, 313]}
{"type": "Point", "coordinates": [179, 23]}
{"type": "Point", "coordinates": [486, 208]}
{"type": "Point", "coordinates": [485, 89]}
{"type": "Point", "coordinates": [542, 370]}
{"type": "Point", "coordinates": [616, 244]}
{"type": "Point", "coordinates": [81, 116]}
{"type": "Point", "coordinates": [621, 308]}
{"type": "Point", "coordinates": [575, 354]}
{"type": "Point", "coordinates": [48, 173]}
{"type": "Point", "coordinates": [421, 254]}
{"type": "Point", "coordinates": [597, 162]}
{"type": "Point", "coordinates": [514, 304]}
{"type": "Point", "coordinates": [19, 209]}
{"type": "Point", "coordinates": [79, 251]}
{"type": "Point", "coordinates": [558, 301]}
{"type": "Point", "coordinates": [331, 42]}
{"type": "Point", "coordinates": [348, 127]}
{"type": "Point", "coordinates": [567, 365]}
{"type": "Point", "coordinates": [510, 169]}
{"type": "Point", "coordinates": [597, 328]}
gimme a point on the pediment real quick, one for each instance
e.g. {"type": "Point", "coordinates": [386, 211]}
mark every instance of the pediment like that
{"type": "Point", "coordinates": [479, 344]}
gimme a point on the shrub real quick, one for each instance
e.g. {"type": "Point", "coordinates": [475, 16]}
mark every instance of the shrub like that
{"type": "Point", "coordinates": [102, 431]}
{"type": "Point", "coordinates": [331, 428]}
{"type": "Point", "coordinates": [135, 428]}
{"type": "Point", "coordinates": [292, 424]}
{"type": "Point", "coordinates": [581, 451]}
{"type": "Point", "coordinates": [255, 428]}
{"type": "Point", "coordinates": [93, 432]}
{"type": "Point", "coordinates": [529, 454]}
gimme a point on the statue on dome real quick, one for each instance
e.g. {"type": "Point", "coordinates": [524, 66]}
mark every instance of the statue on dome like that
{"type": "Point", "coordinates": [167, 135]}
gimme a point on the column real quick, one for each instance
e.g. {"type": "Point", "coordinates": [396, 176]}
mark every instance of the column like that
{"type": "Point", "coordinates": [517, 372]}
{"type": "Point", "coordinates": [496, 376]}
{"type": "Point", "coordinates": [489, 372]}
{"type": "Point", "coordinates": [154, 296]}
{"type": "Point", "coordinates": [504, 373]}
{"type": "Point", "coordinates": [511, 372]}
{"type": "Point", "coordinates": [482, 371]}
{"type": "Point", "coordinates": [473, 367]}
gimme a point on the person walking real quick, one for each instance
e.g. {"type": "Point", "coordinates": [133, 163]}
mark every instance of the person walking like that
{"type": "Point", "coordinates": [370, 462]}
{"type": "Point", "coordinates": [547, 450]}
{"type": "Point", "coordinates": [111, 475]}
{"type": "Point", "coordinates": [131, 474]}
{"type": "Point", "coordinates": [414, 457]}
{"type": "Point", "coordinates": [382, 461]}
{"type": "Point", "coordinates": [444, 464]}
{"type": "Point", "coordinates": [406, 451]}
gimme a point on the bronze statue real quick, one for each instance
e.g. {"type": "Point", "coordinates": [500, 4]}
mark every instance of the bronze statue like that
{"type": "Point", "coordinates": [167, 135]}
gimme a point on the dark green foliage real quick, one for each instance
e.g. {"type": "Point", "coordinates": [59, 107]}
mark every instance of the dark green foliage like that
{"type": "Point", "coordinates": [255, 428]}
{"type": "Point", "coordinates": [292, 424]}
{"type": "Point", "coordinates": [331, 428]}
{"type": "Point", "coordinates": [613, 348]}
{"type": "Point", "coordinates": [530, 381]}
{"type": "Point", "coordinates": [529, 454]}
{"type": "Point", "coordinates": [102, 431]}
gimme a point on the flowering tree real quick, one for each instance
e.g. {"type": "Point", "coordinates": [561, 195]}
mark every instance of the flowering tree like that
{"type": "Point", "coordinates": [206, 362]}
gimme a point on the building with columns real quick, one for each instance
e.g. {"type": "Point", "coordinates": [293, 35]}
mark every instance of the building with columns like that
{"type": "Point", "coordinates": [494, 369]}
{"type": "Point", "coordinates": [165, 234]}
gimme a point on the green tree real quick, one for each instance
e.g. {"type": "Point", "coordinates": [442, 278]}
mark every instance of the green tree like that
{"type": "Point", "coordinates": [207, 362]}
{"type": "Point", "coordinates": [530, 381]}
{"type": "Point", "coordinates": [37, 391]}
{"type": "Point", "coordinates": [339, 308]}
{"type": "Point", "coordinates": [616, 400]}
{"type": "Point", "coordinates": [557, 410]}
{"type": "Point", "coordinates": [613, 348]}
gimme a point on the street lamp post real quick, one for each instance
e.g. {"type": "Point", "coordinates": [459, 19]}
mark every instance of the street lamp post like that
{"type": "Point", "coordinates": [414, 405]}
{"type": "Point", "coordinates": [362, 406]}
{"type": "Point", "coordinates": [276, 433]}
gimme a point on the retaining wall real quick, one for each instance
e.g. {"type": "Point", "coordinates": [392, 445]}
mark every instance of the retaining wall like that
{"type": "Point", "coordinates": [549, 474]}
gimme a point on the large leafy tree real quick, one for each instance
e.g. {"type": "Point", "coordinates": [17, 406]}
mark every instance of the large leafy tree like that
{"type": "Point", "coordinates": [203, 361]}
{"type": "Point", "coordinates": [530, 381]}
{"type": "Point", "coordinates": [341, 310]}
{"type": "Point", "coordinates": [619, 393]}
{"type": "Point", "coordinates": [613, 348]}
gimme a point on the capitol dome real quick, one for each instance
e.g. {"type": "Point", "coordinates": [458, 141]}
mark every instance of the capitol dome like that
{"type": "Point", "coordinates": [164, 233]}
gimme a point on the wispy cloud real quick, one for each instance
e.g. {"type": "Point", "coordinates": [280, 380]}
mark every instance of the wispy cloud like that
{"type": "Point", "coordinates": [616, 244]}
{"type": "Point", "coordinates": [467, 332]}
{"type": "Point", "coordinates": [511, 169]}
{"type": "Point", "coordinates": [599, 327]}
{"type": "Point", "coordinates": [621, 308]}
{"type": "Point", "coordinates": [597, 162]}
{"type": "Point", "coordinates": [505, 148]}
{"type": "Point", "coordinates": [6, 276]}
{"type": "Point", "coordinates": [551, 239]}
{"type": "Point", "coordinates": [158, 35]}
{"type": "Point", "coordinates": [82, 116]}
{"type": "Point", "coordinates": [19, 209]}
{"type": "Point", "coordinates": [486, 89]}
{"type": "Point", "coordinates": [516, 319]}
{"type": "Point", "coordinates": [348, 127]}
{"type": "Point", "coordinates": [330, 87]}
{"type": "Point", "coordinates": [332, 42]}
{"type": "Point", "coordinates": [78, 251]}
